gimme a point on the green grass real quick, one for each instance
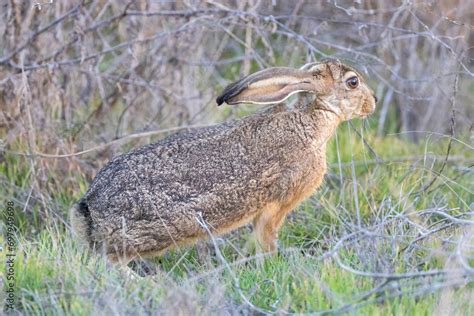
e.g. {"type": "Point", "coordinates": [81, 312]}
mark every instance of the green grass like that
{"type": "Point", "coordinates": [55, 276]}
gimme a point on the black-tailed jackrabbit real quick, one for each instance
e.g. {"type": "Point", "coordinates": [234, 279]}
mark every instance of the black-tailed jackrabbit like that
{"type": "Point", "coordinates": [254, 169]}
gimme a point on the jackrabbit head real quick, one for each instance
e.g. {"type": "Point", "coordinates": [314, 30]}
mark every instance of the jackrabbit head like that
{"type": "Point", "coordinates": [336, 87]}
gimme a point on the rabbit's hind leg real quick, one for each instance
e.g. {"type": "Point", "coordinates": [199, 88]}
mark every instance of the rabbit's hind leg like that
{"type": "Point", "coordinates": [143, 267]}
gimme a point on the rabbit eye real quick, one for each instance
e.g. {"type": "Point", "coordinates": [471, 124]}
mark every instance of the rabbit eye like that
{"type": "Point", "coordinates": [352, 82]}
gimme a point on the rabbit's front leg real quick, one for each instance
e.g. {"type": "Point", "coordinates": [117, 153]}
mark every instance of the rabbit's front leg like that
{"type": "Point", "coordinates": [266, 225]}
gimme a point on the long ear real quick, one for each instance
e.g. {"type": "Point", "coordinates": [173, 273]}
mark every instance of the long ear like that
{"type": "Point", "coordinates": [268, 86]}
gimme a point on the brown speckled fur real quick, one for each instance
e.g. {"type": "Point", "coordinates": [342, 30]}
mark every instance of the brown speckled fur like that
{"type": "Point", "coordinates": [257, 168]}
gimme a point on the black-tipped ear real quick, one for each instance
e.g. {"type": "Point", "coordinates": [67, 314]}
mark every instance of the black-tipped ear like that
{"type": "Point", "coordinates": [230, 91]}
{"type": "Point", "coordinates": [268, 86]}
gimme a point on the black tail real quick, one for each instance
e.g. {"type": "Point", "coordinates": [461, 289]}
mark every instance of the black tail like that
{"type": "Point", "coordinates": [81, 221]}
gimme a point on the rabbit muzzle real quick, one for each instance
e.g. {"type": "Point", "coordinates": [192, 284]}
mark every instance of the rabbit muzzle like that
{"type": "Point", "coordinates": [368, 106]}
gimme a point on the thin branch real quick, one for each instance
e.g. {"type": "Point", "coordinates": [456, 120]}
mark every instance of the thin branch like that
{"type": "Point", "coordinates": [453, 134]}
{"type": "Point", "coordinates": [103, 146]}
{"type": "Point", "coordinates": [28, 41]}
